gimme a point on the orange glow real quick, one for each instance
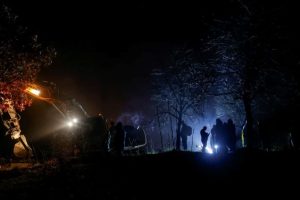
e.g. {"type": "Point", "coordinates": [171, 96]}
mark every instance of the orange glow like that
{"type": "Point", "coordinates": [33, 91]}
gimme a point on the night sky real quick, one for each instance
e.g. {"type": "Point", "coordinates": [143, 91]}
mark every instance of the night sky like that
{"type": "Point", "coordinates": [106, 51]}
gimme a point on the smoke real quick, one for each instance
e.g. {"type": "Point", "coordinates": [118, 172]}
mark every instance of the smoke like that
{"type": "Point", "coordinates": [134, 119]}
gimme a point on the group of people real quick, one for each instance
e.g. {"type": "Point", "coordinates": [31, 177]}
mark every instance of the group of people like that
{"type": "Point", "coordinates": [223, 136]}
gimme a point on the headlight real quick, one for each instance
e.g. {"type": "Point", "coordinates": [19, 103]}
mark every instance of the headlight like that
{"type": "Point", "coordinates": [70, 124]}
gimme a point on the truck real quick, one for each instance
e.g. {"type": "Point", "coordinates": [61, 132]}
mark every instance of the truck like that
{"type": "Point", "coordinates": [89, 134]}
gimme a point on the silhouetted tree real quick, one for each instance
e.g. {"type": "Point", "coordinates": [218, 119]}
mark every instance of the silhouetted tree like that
{"type": "Point", "coordinates": [21, 59]}
{"type": "Point", "coordinates": [180, 86]}
{"type": "Point", "coordinates": [243, 50]}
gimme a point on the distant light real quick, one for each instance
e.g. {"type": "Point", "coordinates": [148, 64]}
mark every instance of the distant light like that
{"type": "Point", "coordinates": [209, 150]}
{"type": "Point", "coordinates": [216, 146]}
{"type": "Point", "coordinates": [70, 124]}
{"type": "Point", "coordinates": [75, 120]}
{"type": "Point", "coordinates": [33, 91]}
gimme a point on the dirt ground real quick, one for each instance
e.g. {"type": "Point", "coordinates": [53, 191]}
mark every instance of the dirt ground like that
{"type": "Point", "coordinates": [170, 175]}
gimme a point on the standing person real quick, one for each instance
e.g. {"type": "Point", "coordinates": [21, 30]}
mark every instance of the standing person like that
{"type": "Point", "coordinates": [217, 132]}
{"type": "Point", "coordinates": [184, 140]}
{"type": "Point", "coordinates": [184, 133]}
{"type": "Point", "coordinates": [231, 134]}
{"type": "Point", "coordinates": [111, 135]}
{"type": "Point", "coordinates": [213, 141]}
{"type": "Point", "coordinates": [119, 139]}
{"type": "Point", "coordinates": [204, 137]}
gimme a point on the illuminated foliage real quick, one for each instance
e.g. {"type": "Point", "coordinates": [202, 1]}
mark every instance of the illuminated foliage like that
{"type": "Point", "coordinates": [21, 58]}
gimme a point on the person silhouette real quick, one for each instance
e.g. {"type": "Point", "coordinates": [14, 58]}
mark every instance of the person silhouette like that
{"type": "Point", "coordinates": [120, 136]}
{"type": "Point", "coordinates": [184, 133]}
{"type": "Point", "coordinates": [230, 129]}
{"type": "Point", "coordinates": [204, 137]}
{"type": "Point", "coordinates": [218, 136]}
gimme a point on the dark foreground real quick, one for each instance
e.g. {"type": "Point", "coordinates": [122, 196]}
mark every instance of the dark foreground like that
{"type": "Point", "coordinates": [171, 175]}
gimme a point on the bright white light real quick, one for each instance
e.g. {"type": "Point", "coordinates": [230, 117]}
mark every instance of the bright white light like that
{"type": "Point", "coordinates": [209, 150]}
{"type": "Point", "coordinates": [70, 124]}
{"type": "Point", "coordinates": [216, 146]}
{"type": "Point", "coordinates": [75, 120]}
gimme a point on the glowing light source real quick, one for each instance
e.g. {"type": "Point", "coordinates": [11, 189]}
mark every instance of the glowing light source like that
{"type": "Point", "coordinates": [33, 91]}
{"type": "Point", "coordinates": [216, 146]}
{"type": "Point", "coordinates": [209, 150]}
{"type": "Point", "coordinates": [70, 124]}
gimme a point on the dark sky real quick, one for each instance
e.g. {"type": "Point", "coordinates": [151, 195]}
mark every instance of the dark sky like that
{"type": "Point", "coordinates": [107, 50]}
{"type": "Point", "coordinates": [104, 52]}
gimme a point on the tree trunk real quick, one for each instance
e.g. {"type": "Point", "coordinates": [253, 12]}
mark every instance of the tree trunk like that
{"type": "Point", "coordinates": [249, 118]}
{"type": "Point", "coordinates": [178, 143]}
{"type": "Point", "coordinates": [159, 126]}
{"type": "Point", "coordinates": [192, 141]}
{"type": "Point", "coordinates": [171, 128]}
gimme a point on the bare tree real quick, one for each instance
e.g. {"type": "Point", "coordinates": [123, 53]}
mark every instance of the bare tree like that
{"type": "Point", "coordinates": [242, 50]}
{"type": "Point", "coordinates": [180, 86]}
